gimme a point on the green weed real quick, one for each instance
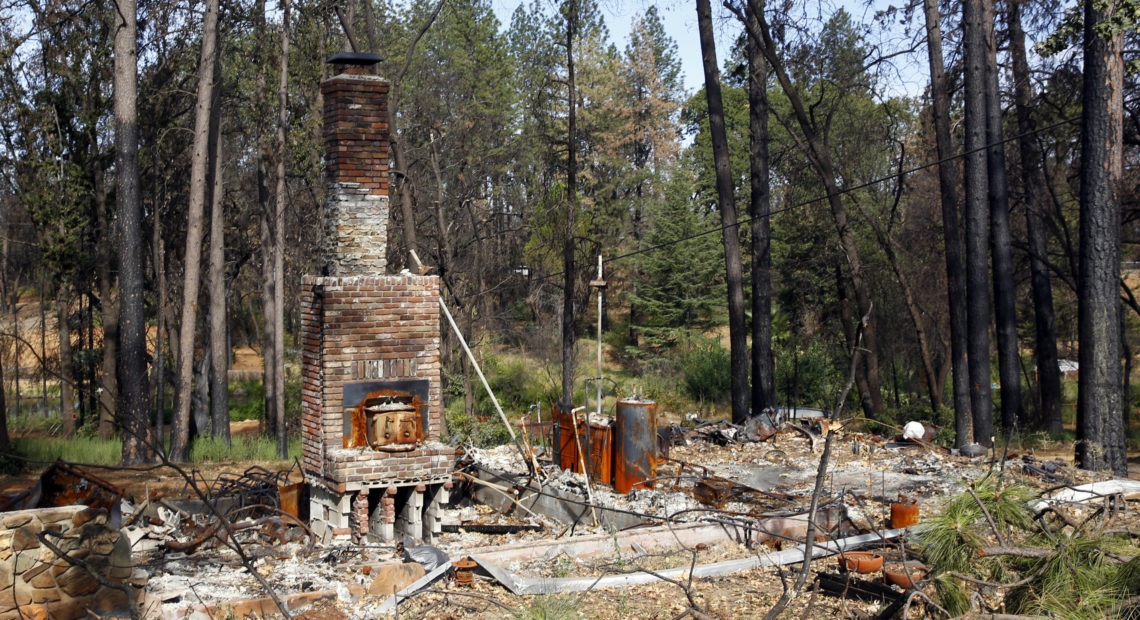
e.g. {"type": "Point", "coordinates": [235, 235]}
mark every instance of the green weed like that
{"type": "Point", "coordinates": [78, 449]}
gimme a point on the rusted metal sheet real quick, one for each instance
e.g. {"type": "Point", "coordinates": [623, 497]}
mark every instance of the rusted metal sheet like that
{"type": "Point", "coordinates": [636, 439]}
{"type": "Point", "coordinates": [294, 500]}
{"type": "Point", "coordinates": [600, 461]}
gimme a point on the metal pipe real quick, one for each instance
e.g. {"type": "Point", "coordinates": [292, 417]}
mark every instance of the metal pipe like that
{"type": "Point", "coordinates": [601, 287]}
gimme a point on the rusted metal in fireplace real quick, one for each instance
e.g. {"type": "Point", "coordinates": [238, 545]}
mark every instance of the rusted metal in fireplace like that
{"type": "Point", "coordinates": [390, 416]}
{"type": "Point", "coordinates": [387, 420]}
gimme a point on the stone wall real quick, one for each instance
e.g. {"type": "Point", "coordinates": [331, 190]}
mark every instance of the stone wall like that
{"type": "Point", "coordinates": [35, 582]}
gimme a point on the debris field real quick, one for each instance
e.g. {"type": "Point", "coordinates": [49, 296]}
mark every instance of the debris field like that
{"type": "Point", "coordinates": [717, 532]}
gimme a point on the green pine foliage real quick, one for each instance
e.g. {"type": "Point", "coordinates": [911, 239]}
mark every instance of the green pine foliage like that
{"type": "Point", "coordinates": [1080, 576]}
{"type": "Point", "coordinates": [682, 285]}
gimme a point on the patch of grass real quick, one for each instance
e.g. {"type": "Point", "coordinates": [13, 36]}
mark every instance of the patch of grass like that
{"type": "Point", "coordinates": [243, 448]}
{"type": "Point", "coordinates": [34, 423]}
{"type": "Point", "coordinates": [96, 451]}
{"type": "Point", "coordinates": [550, 607]}
{"type": "Point", "coordinates": [78, 449]}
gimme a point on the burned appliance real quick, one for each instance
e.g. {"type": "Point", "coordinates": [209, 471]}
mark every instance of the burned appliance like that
{"type": "Point", "coordinates": [388, 419]}
{"type": "Point", "coordinates": [372, 406]}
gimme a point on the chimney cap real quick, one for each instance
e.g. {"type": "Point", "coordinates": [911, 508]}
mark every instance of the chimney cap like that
{"type": "Point", "coordinates": [359, 59]}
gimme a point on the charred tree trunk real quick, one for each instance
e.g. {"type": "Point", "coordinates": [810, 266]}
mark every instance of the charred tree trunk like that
{"type": "Point", "coordinates": [726, 204]}
{"type": "Point", "coordinates": [66, 365]}
{"type": "Point", "coordinates": [1032, 179]}
{"type": "Point", "coordinates": [158, 371]}
{"type": "Point", "coordinates": [977, 225]}
{"type": "Point", "coordinates": [1100, 432]}
{"type": "Point", "coordinates": [265, 221]}
{"type": "Point", "coordinates": [570, 14]}
{"type": "Point", "coordinates": [5, 441]}
{"type": "Point", "coordinates": [109, 313]}
{"type": "Point", "coordinates": [219, 352]}
{"type": "Point", "coordinates": [759, 207]}
{"type": "Point", "coordinates": [820, 156]}
{"type": "Point", "coordinates": [948, 192]}
{"type": "Point", "coordinates": [1005, 313]}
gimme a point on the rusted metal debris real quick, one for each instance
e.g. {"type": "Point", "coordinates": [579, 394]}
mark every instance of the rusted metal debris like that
{"type": "Point", "coordinates": [272, 528]}
{"type": "Point", "coordinates": [63, 484]}
{"type": "Point", "coordinates": [716, 492]}
{"type": "Point", "coordinates": [257, 507]}
{"type": "Point", "coordinates": [255, 486]}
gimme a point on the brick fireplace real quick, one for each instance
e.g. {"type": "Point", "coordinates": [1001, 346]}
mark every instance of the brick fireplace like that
{"type": "Point", "coordinates": [370, 360]}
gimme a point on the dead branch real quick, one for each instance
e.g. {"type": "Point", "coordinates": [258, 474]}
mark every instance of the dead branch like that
{"type": "Point", "coordinates": [821, 474]}
{"type": "Point", "coordinates": [989, 519]}
{"type": "Point", "coordinates": [916, 593]}
{"type": "Point", "coordinates": [694, 609]}
{"type": "Point", "coordinates": [445, 593]}
{"type": "Point", "coordinates": [1017, 552]}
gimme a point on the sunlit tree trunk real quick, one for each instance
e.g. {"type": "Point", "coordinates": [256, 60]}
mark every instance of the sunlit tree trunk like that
{"type": "Point", "coordinates": [192, 264]}
{"type": "Point", "coordinates": [279, 239]}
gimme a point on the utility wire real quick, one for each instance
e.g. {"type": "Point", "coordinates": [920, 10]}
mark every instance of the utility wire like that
{"type": "Point", "coordinates": [846, 190]}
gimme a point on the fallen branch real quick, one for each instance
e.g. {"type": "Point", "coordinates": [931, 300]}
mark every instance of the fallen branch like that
{"type": "Point", "coordinates": [989, 519]}
{"type": "Point", "coordinates": [1017, 552]}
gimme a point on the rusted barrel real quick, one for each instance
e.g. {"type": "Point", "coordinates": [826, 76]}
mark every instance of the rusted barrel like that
{"type": "Point", "coordinates": [636, 439]}
{"type": "Point", "coordinates": [564, 441]}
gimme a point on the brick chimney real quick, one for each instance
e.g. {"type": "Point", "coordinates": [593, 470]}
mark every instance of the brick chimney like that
{"type": "Point", "coordinates": [372, 405]}
{"type": "Point", "coordinates": [356, 167]}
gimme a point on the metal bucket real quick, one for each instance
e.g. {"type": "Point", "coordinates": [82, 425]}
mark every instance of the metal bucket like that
{"type": "Point", "coordinates": [636, 439]}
